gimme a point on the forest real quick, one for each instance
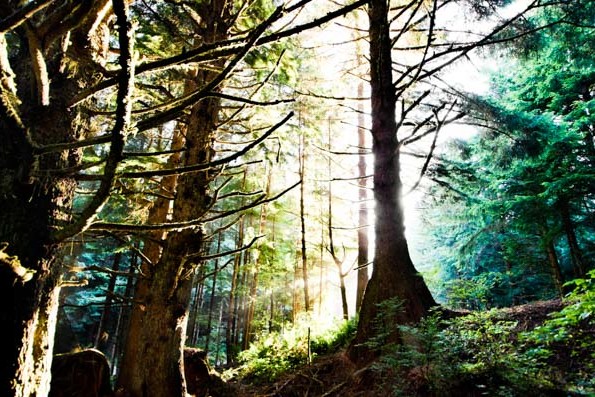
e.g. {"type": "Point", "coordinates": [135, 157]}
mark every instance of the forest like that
{"type": "Point", "coordinates": [297, 198]}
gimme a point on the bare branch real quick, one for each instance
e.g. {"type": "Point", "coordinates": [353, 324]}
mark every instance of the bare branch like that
{"type": "Point", "coordinates": [119, 130]}
{"type": "Point", "coordinates": [23, 14]}
{"type": "Point", "coordinates": [203, 258]}
{"type": "Point", "coordinates": [212, 164]}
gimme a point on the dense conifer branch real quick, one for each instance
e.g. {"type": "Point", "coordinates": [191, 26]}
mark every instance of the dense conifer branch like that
{"type": "Point", "coordinates": [176, 107]}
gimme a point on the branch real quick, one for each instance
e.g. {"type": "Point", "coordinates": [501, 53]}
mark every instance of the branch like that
{"type": "Point", "coordinates": [223, 48]}
{"type": "Point", "coordinates": [203, 258]}
{"type": "Point", "coordinates": [38, 65]}
{"type": "Point", "coordinates": [212, 164]}
{"type": "Point", "coordinates": [120, 128]}
{"type": "Point", "coordinates": [22, 15]}
{"type": "Point", "coordinates": [177, 107]}
{"type": "Point", "coordinates": [255, 203]}
{"type": "Point", "coordinates": [424, 168]}
{"type": "Point", "coordinates": [179, 226]}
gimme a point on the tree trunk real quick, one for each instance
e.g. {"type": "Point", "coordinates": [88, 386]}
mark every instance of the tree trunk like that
{"type": "Point", "coordinates": [393, 275]}
{"type": "Point", "coordinates": [193, 330]}
{"type": "Point", "coordinates": [34, 201]}
{"type": "Point", "coordinates": [153, 358]}
{"type": "Point", "coordinates": [249, 317]}
{"type": "Point", "coordinates": [212, 296]}
{"type": "Point", "coordinates": [331, 241]}
{"type": "Point", "coordinates": [575, 250]}
{"type": "Point", "coordinates": [362, 230]}
{"type": "Point", "coordinates": [302, 173]}
{"type": "Point", "coordinates": [230, 331]}
{"type": "Point", "coordinates": [552, 257]}
{"type": "Point", "coordinates": [105, 326]}
{"type": "Point", "coordinates": [124, 318]}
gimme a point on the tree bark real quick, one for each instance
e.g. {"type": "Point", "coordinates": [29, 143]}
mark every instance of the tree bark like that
{"type": "Point", "coordinates": [152, 362]}
{"type": "Point", "coordinates": [304, 256]}
{"type": "Point", "coordinates": [393, 275]}
{"type": "Point", "coordinates": [553, 261]}
{"type": "Point", "coordinates": [34, 202]}
{"type": "Point", "coordinates": [569, 229]}
{"type": "Point", "coordinates": [362, 231]}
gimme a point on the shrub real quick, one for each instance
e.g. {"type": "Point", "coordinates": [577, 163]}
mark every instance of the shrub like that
{"type": "Point", "coordinates": [276, 353]}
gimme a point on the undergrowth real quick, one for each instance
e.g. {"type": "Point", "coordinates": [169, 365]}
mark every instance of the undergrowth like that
{"type": "Point", "coordinates": [484, 353]}
{"type": "Point", "coordinates": [276, 353]}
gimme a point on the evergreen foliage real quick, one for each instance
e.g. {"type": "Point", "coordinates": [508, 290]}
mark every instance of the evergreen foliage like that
{"type": "Point", "coordinates": [521, 190]}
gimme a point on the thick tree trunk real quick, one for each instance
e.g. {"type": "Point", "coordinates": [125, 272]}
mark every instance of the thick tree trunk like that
{"type": "Point", "coordinates": [152, 360]}
{"type": "Point", "coordinates": [34, 201]}
{"type": "Point", "coordinates": [393, 275]}
{"type": "Point", "coordinates": [153, 356]}
{"type": "Point", "coordinates": [553, 261]}
{"type": "Point", "coordinates": [152, 364]}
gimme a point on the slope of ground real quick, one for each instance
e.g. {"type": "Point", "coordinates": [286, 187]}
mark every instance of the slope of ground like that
{"type": "Point", "coordinates": [491, 360]}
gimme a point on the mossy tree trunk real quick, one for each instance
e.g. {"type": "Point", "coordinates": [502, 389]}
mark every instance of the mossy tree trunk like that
{"type": "Point", "coordinates": [45, 60]}
{"type": "Point", "coordinates": [152, 362]}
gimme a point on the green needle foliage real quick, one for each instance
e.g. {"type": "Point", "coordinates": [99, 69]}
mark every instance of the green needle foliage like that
{"type": "Point", "coordinates": [511, 215]}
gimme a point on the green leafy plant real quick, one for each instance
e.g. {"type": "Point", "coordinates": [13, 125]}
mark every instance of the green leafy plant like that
{"type": "Point", "coordinates": [278, 352]}
{"type": "Point", "coordinates": [569, 332]}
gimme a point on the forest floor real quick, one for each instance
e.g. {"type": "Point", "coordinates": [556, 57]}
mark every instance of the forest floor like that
{"type": "Point", "coordinates": [335, 375]}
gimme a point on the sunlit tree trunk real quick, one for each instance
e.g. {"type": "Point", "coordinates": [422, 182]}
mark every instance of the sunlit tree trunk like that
{"type": "Point", "coordinates": [362, 231]}
{"type": "Point", "coordinates": [393, 275]}
{"type": "Point", "coordinates": [248, 329]}
{"type": "Point", "coordinates": [36, 86]}
{"type": "Point", "coordinates": [304, 257]}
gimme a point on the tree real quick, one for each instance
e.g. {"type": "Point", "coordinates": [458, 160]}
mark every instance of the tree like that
{"type": "Point", "coordinates": [534, 160]}
{"type": "Point", "coordinates": [393, 274]}
{"type": "Point", "coordinates": [46, 55]}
